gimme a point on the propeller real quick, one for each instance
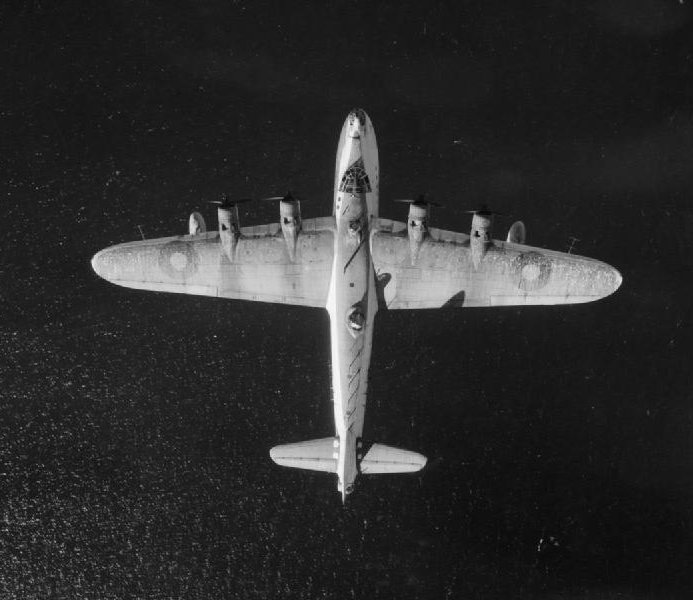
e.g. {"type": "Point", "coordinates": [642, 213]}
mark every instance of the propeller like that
{"type": "Point", "coordinates": [420, 200]}
{"type": "Point", "coordinates": [227, 202]}
{"type": "Point", "coordinates": [289, 197]}
{"type": "Point", "coordinates": [484, 211]}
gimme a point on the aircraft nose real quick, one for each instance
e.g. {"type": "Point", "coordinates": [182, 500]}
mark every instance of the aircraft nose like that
{"type": "Point", "coordinates": [356, 123]}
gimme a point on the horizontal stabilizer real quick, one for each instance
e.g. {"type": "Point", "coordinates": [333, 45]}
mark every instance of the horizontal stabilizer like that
{"type": "Point", "coordinates": [384, 459]}
{"type": "Point", "coordinates": [313, 455]}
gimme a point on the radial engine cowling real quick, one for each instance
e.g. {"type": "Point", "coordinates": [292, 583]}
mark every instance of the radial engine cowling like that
{"type": "Point", "coordinates": [417, 224]}
{"type": "Point", "coordinates": [480, 235]}
{"type": "Point", "coordinates": [482, 226]}
{"type": "Point", "coordinates": [290, 219]}
{"type": "Point", "coordinates": [229, 229]}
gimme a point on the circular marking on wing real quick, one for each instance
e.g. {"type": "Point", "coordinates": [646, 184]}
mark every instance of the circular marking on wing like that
{"type": "Point", "coordinates": [178, 260]}
{"type": "Point", "coordinates": [532, 271]}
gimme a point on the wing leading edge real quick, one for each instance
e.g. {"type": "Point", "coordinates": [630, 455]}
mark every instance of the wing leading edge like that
{"type": "Point", "coordinates": [441, 272]}
{"type": "Point", "coordinates": [261, 268]}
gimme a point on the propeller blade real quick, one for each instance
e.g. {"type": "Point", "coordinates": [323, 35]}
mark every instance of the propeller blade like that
{"type": "Point", "coordinates": [484, 210]}
{"type": "Point", "coordinates": [288, 197]}
{"type": "Point", "coordinates": [226, 202]}
{"type": "Point", "coordinates": [420, 199]}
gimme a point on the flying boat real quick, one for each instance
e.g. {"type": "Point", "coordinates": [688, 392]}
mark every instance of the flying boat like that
{"type": "Point", "coordinates": [354, 263]}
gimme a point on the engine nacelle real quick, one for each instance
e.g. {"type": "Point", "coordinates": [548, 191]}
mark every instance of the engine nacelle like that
{"type": "Point", "coordinates": [482, 226]}
{"type": "Point", "coordinates": [196, 224]}
{"type": "Point", "coordinates": [417, 227]}
{"type": "Point", "coordinates": [480, 235]}
{"type": "Point", "coordinates": [290, 219]}
{"type": "Point", "coordinates": [229, 229]}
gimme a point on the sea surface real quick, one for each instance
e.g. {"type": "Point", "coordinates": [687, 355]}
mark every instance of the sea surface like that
{"type": "Point", "coordinates": [135, 426]}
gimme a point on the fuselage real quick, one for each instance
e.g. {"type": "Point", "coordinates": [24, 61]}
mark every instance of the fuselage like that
{"type": "Point", "coordinates": [352, 300]}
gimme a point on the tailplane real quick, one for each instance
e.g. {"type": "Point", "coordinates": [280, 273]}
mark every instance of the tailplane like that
{"type": "Point", "coordinates": [312, 455]}
{"type": "Point", "coordinates": [380, 459]}
{"type": "Point", "coordinates": [323, 455]}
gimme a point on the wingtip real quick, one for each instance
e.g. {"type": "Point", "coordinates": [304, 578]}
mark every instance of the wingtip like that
{"type": "Point", "coordinates": [97, 263]}
{"type": "Point", "coordinates": [274, 454]}
{"type": "Point", "coordinates": [618, 279]}
{"type": "Point", "coordinates": [613, 282]}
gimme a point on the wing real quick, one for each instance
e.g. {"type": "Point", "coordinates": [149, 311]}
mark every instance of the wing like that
{"type": "Point", "coordinates": [442, 272]}
{"type": "Point", "coordinates": [196, 264]}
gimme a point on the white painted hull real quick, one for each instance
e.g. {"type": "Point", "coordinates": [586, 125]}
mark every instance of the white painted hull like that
{"type": "Point", "coordinates": [352, 295]}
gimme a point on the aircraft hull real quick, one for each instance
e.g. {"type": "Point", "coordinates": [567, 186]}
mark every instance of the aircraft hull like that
{"type": "Point", "coordinates": [352, 302]}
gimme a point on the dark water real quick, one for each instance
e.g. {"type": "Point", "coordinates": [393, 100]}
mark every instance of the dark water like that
{"type": "Point", "coordinates": [134, 427]}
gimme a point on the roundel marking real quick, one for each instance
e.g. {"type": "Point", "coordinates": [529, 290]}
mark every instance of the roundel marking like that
{"type": "Point", "coordinates": [178, 260]}
{"type": "Point", "coordinates": [532, 271]}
